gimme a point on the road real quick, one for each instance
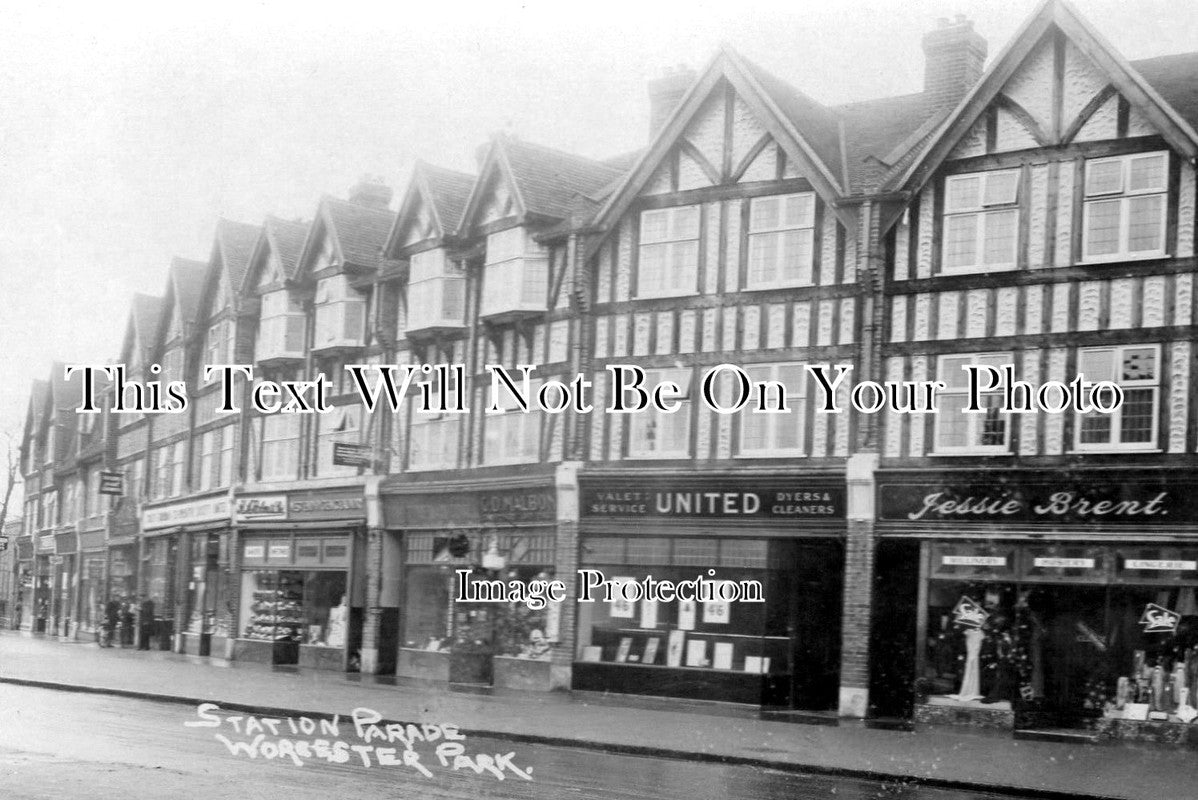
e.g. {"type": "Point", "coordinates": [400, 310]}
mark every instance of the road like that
{"type": "Point", "coordinates": [67, 745]}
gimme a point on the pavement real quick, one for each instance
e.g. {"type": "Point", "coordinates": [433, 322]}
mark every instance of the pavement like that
{"type": "Point", "coordinates": [936, 756]}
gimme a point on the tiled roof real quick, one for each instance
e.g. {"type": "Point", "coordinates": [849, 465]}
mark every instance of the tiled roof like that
{"type": "Point", "coordinates": [39, 393]}
{"type": "Point", "coordinates": [818, 125]}
{"type": "Point", "coordinates": [187, 277]}
{"type": "Point", "coordinates": [547, 179]}
{"type": "Point", "coordinates": [66, 393]}
{"type": "Point", "coordinates": [879, 136]}
{"type": "Point", "coordinates": [286, 238]}
{"type": "Point", "coordinates": [147, 313]}
{"type": "Point", "coordinates": [1175, 79]}
{"type": "Point", "coordinates": [360, 231]}
{"type": "Point", "coordinates": [448, 191]}
{"type": "Point", "coordinates": [236, 240]}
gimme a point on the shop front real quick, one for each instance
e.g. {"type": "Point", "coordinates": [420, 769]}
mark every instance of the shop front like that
{"type": "Point", "coordinates": [44, 564]}
{"type": "Point", "coordinates": [120, 604]}
{"type": "Point", "coordinates": [24, 584]}
{"type": "Point", "coordinates": [756, 570]}
{"type": "Point", "coordinates": [170, 610]}
{"type": "Point", "coordinates": [1049, 600]}
{"type": "Point", "coordinates": [301, 586]}
{"type": "Point", "coordinates": [62, 571]}
{"type": "Point", "coordinates": [92, 557]}
{"type": "Point", "coordinates": [504, 531]}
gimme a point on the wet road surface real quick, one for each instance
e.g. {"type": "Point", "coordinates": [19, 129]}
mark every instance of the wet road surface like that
{"type": "Point", "coordinates": [67, 745]}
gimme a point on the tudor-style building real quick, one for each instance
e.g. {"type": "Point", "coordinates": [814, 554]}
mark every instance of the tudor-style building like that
{"type": "Point", "coordinates": [1049, 223]}
{"type": "Point", "coordinates": [1038, 213]}
{"type": "Point", "coordinates": [299, 573]}
{"type": "Point", "coordinates": [485, 272]}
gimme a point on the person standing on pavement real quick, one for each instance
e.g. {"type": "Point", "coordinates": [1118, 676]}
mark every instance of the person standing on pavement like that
{"type": "Point", "coordinates": [145, 623]}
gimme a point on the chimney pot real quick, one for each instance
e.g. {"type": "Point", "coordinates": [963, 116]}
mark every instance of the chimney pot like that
{"type": "Point", "coordinates": [371, 191]}
{"type": "Point", "coordinates": [955, 57]}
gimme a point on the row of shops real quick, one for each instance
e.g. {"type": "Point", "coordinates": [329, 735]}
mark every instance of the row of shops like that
{"type": "Point", "coordinates": [1001, 598]}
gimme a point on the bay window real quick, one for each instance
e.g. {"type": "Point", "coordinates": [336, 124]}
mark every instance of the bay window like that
{"type": "Point", "coordinates": [516, 275]}
{"type": "Point", "coordinates": [436, 294]}
{"type": "Point", "coordinates": [781, 241]}
{"type": "Point", "coordinates": [981, 221]}
{"type": "Point", "coordinates": [340, 314]}
{"type": "Point", "coordinates": [281, 330]}
{"type": "Point", "coordinates": [1136, 369]}
{"type": "Point", "coordinates": [668, 263]}
{"type": "Point", "coordinates": [961, 431]}
{"type": "Point", "coordinates": [1126, 201]}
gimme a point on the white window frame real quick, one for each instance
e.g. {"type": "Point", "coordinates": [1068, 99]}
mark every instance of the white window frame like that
{"type": "Point", "coordinates": [796, 401]}
{"type": "Point", "coordinates": [687, 281]}
{"type": "Point", "coordinates": [1125, 196]}
{"type": "Point", "coordinates": [512, 424]}
{"type": "Point", "coordinates": [1116, 418]}
{"type": "Point", "coordinates": [975, 420]}
{"type": "Point", "coordinates": [643, 425]}
{"type": "Point", "coordinates": [435, 435]}
{"type": "Point", "coordinates": [981, 211]}
{"type": "Point", "coordinates": [758, 232]}
{"type": "Point", "coordinates": [280, 447]}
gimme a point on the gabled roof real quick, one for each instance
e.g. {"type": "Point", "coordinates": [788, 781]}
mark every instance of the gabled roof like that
{"type": "Point", "coordinates": [810, 134]}
{"type": "Point", "coordinates": [145, 315]}
{"type": "Point", "coordinates": [445, 193]}
{"type": "Point", "coordinates": [357, 232]}
{"type": "Point", "coordinates": [1175, 79]}
{"type": "Point", "coordinates": [282, 238]}
{"type": "Point", "coordinates": [39, 394]}
{"type": "Point", "coordinates": [187, 281]}
{"type": "Point", "coordinates": [235, 243]}
{"type": "Point", "coordinates": [64, 395]}
{"type": "Point", "coordinates": [1124, 77]}
{"type": "Point", "coordinates": [543, 180]}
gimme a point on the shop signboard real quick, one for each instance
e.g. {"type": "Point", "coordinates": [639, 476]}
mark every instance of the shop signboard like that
{"type": "Point", "coordinates": [341, 504]}
{"type": "Point", "coordinates": [261, 508]}
{"type": "Point", "coordinates": [1157, 619]}
{"type": "Point", "coordinates": [1059, 498]}
{"type": "Point", "coordinates": [187, 512]}
{"type": "Point", "coordinates": [517, 506]}
{"type": "Point", "coordinates": [347, 454]}
{"type": "Point", "coordinates": [733, 498]}
{"type": "Point", "coordinates": [112, 483]}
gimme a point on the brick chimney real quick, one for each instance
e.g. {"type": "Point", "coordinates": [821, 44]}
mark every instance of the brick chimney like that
{"type": "Point", "coordinates": [370, 191]}
{"type": "Point", "coordinates": [665, 93]}
{"type": "Point", "coordinates": [954, 58]}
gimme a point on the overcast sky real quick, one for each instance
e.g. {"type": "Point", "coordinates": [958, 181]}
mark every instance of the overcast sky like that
{"type": "Point", "coordinates": [127, 130]}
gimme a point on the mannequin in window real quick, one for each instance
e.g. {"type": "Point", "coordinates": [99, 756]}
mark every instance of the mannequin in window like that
{"type": "Point", "coordinates": [971, 683]}
{"type": "Point", "coordinates": [338, 616]}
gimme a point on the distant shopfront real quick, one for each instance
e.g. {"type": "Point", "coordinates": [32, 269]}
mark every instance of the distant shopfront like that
{"type": "Point", "coordinates": [505, 531]}
{"type": "Point", "coordinates": [181, 574]}
{"type": "Point", "coordinates": [785, 533]}
{"type": "Point", "coordinates": [301, 587]}
{"type": "Point", "coordinates": [1046, 598]}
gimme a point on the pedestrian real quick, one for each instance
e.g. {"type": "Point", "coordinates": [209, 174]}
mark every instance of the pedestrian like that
{"type": "Point", "coordinates": [146, 623]}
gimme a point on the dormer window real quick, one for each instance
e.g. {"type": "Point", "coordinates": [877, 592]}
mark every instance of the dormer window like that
{"type": "Point", "coordinates": [516, 275]}
{"type": "Point", "coordinates": [436, 293]}
{"type": "Point", "coordinates": [218, 344]}
{"type": "Point", "coordinates": [340, 314]}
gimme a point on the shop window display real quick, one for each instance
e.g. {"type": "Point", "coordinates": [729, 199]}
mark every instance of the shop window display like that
{"type": "Point", "coordinates": [308, 608]}
{"type": "Point", "coordinates": [1069, 651]}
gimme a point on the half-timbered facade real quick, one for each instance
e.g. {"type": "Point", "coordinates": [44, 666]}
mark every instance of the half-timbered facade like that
{"type": "Point", "coordinates": [1049, 233]}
